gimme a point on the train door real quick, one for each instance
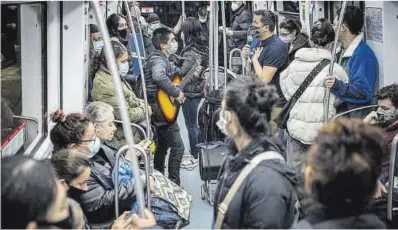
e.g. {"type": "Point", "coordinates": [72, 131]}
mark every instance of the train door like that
{"type": "Point", "coordinates": [23, 77]}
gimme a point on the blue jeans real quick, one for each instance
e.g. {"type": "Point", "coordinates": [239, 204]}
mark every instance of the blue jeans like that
{"type": "Point", "coordinates": [190, 109]}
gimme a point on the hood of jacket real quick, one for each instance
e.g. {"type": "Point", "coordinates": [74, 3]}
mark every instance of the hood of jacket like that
{"type": "Point", "coordinates": [301, 41]}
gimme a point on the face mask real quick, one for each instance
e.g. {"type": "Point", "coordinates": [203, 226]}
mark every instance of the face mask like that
{"type": "Point", "coordinates": [75, 193]}
{"type": "Point", "coordinates": [221, 124]}
{"type": "Point", "coordinates": [234, 6]}
{"type": "Point", "coordinates": [97, 46]}
{"type": "Point", "coordinates": [287, 38]}
{"type": "Point", "coordinates": [154, 26]}
{"type": "Point", "coordinates": [203, 20]}
{"type": "Point", "coordinates": [174, 47]}
{"type": "Point", "coordinates": [123, 69]}
{"type": "Point", "coordinates": [94, 147]}
{"type": "Point", "coordinates": [385, 118]}
{"type": "Point", "coordinates": [123, 33]}
{"type": "Point", "coordinates": [256, 32]}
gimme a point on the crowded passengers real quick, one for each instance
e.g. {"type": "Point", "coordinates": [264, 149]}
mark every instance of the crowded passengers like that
{"type": "Point", "coordinates": [317, 175]}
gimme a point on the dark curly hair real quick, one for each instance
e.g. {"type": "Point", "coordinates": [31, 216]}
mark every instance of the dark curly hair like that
{"type": "Point", "coordinates": [290, 25]}
{"type": "Point", "coordinates": [345, 162]}
{"type": "Point", "coordinates": [389, 92]}
{"type": "Point", "coordinates": [322, 33]}
{"type": "Point", "coordinates": [69, 129]}
{"type": "Point", "coordinates": [252, 100]}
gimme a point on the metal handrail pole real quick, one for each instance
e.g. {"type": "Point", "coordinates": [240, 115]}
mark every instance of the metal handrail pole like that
{"type": "Point", "coordinates": [224, 26]}
{"type": "Point", "coordinates": [136, 126]}
{"type": "Point", "coordinates": [140, 66]}
{"type": "Point", "coordinates": [26, 118]}
{"type": "Point", "coordinates": [332, 61]}
{"type": "Point", "coordinates": [110, 56]}
{"type": "Point", "coordinates": [353, 110]}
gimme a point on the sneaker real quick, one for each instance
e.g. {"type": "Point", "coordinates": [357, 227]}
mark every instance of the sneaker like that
{"type": "Point", "coordinates": [189, 163]}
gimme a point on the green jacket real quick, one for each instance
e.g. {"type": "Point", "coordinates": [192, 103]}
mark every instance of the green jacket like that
{"type": "Point", "coordinates": [104, 91]}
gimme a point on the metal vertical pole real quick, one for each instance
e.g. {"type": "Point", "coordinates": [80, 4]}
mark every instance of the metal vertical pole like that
{"type": "Point", "coordinates": [128, 133]}
{"type": "Point", "coordinates": [139, 28]}
{"type": "Point", "coordinates": [211, 47]}
{"type": "Point", "coordinates": [215, 26]}
{"type": "Point", "coordinates": [332, 61]}
{"type": "Point", "coordinates": [148, 126]}
{"type": "Point", "coordinates": [224, 25]}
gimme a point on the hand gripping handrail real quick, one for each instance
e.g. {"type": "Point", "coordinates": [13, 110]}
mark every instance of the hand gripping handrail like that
{"type": "Point", "coordinates": [137, 177]}
{"type": "Point", "coordinates": [136, 126]}
{"type": "Point", "coordinates": [110, 57]}
{"type": "Point", "coordinates": [148, 128]}
{"type": "Point", "coordinates": [332, 61]}
{"type": "Point", "coordinates": [353, 110]}
{"type": "Point", "coordinates": [225, 51]}
{"type": "Point", "coordinates": [391, 177]}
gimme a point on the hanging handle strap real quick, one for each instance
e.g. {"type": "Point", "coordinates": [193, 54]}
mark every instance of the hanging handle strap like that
{"type": "Point", "coordinates": [223, 206]}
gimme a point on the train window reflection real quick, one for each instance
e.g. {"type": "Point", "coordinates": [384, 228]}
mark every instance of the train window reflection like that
{"type": "Point", "coordinates": [21, 77]}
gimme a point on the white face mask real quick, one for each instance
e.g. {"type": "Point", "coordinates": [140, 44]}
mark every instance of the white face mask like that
{"type": "Point", "coordinates": [174, 47]}
{"type": "Point", "coordinates": [94, 147]}
{"type": "Point", "coordinates": [154, 26]}
{"type": "Point", "coordinates": [202, 20]}
{"type": "Point", "coordinates": [234, 6]}
{"type": "Point", "coordinates": [97, 45]}
{"type": "Point", "coordinates": [222, 125]}
{"type": "Point", "coordinates": [123, 69]}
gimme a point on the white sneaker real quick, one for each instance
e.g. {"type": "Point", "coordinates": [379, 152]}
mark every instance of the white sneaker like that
{"type": "Point", "coordinates": [189, 162]}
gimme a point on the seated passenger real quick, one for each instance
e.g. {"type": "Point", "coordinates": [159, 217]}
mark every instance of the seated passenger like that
{"type": "Point", "coordinates": [73, 170]}
{"type": "Point", "coordinates": [32, 197]}
{"type": "Point", "coordinates": [118, 29]}
{"type": "Point", "coordinates": [290, 33]}
{"type": "Point", "coordinates": [266, 198]}
{"type": "Point", "coordinates": [103, 90]}
{"type": "Point", "coordinates": [98, 201]}
{"type": "Point", "coordinates": [386, 117]}
{"type": "Point", "coordinates": [307, 115]}
{"type": "Point", "coordinates": [341, 175]}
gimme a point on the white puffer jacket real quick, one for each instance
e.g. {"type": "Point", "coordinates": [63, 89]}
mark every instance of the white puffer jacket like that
{"type": "Point", "coordinates": [306, 117]}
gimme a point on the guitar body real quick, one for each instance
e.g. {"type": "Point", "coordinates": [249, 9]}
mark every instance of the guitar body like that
{"type": "Point", "coordinates": [168, 107]}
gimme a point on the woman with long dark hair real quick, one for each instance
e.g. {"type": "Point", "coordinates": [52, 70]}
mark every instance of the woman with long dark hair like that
{"type": "Point", "coordinates": [194, 53]}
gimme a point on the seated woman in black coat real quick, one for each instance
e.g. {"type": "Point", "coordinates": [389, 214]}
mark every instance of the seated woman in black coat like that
{"type": "Point", "coordinates": [266, 198]}
{"type": "Point", "coordinates": [341, 175]}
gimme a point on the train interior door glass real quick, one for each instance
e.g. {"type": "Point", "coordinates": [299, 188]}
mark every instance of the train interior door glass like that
{"type": "Point", "coordinates": [22, 77]}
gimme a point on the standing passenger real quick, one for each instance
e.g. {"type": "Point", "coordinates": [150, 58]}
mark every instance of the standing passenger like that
{"type": "Point", "coordinates": [290, 33]}
{"type": "Point", "coordinates": [306, 116]}
{"type": "Point", "coordinates": [266, 198]}
{"type": "Point", "coordinates": [359, 61]}
{"type": "Point", "coordinates": [270, 55]}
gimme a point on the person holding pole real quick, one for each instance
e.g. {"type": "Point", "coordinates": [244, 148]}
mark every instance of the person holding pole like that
{"type": "Point", "coordinates": [359, 61]}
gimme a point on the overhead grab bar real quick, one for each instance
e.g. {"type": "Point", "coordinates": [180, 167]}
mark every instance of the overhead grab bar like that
{"type": "Point", "coordinates": [136, 126]}
{"type": "Point", "coordinates": [148, 128]}
{"type": "Point", "coordinates": [110, 57]}
{"type": "Point", "coordinates": [224, 26]}
{"type": "Point", "coordinates": [353, 110]}
{"type": "Point", "coordinates": [122, 150]}
{"type": "Point", "coordinates": [332, 61]}
{"type": "Point", "coordinates": [391, 177]}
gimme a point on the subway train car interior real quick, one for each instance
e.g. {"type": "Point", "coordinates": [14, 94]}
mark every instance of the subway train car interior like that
{"type": "Point", "coordinates": [221, 107]}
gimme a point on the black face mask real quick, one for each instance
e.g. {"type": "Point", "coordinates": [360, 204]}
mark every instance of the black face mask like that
{"type": "Point", "coordinates": [123, 33]}
{"type": "Point", "coordinates": [75, 193]}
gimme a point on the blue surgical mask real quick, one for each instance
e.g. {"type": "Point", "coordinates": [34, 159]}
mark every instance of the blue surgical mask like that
{"type": "Point", "coordinates": [94, 147]}
{"type": "Point", "coordinates": [124, 69]}
{"type": "Point", "coordinates": [97, 46]}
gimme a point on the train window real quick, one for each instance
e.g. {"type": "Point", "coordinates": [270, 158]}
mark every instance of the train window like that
{"type": "Point", "coordinates": [291, 6]}
{"type": "Point", "coordinates": [22, 77]}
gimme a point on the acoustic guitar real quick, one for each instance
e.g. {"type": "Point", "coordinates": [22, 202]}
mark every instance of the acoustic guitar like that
{"type": "Point", "coordinates": [169, 106]}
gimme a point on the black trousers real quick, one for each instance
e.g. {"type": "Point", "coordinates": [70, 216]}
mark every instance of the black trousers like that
{"type": "Point", "coordinates": [169, 137]}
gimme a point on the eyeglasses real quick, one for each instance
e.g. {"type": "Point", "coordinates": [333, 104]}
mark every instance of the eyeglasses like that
{"type": "Point", "coordinates": [89, 140]}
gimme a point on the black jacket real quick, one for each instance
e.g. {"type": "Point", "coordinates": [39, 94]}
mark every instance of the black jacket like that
{"type": "Point", "coordinates": [302, 41]}
{"type": "Point", "coordinates": [98, 201]}
{"type": "Point", "coordinates": [266, 199]}
{"type": "Point", "coordinates": [318, 220]}
{"type": "Point", "coordinates": [194, 87]}
{"type": "Point", "coordinates": [240, 23]}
